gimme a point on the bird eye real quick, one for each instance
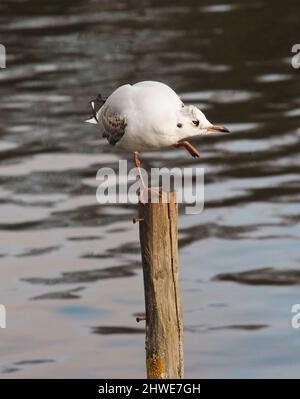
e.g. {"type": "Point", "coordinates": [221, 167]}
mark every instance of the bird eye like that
{"type": "Point", "coordinates": [196, 122]}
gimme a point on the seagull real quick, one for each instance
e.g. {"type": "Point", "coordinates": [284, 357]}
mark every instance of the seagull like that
{"type": "Point", "coordinates": [147, 116]}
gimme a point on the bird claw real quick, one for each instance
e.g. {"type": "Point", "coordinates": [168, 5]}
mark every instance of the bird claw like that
{"type": "Point", "coordinates": [152, 194]}
{"type": "Point", "coordinates": [189, 147]}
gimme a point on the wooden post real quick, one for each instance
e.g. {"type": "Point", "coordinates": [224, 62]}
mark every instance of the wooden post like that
{"type": "Point", "coordinates": [164, 327]}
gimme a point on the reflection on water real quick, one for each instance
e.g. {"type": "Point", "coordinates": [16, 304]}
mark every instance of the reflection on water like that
{"type": "Point", "coordinates": [87, 276]}
{"type": "Point", "coordinates": [107, 330]}
{"type": "Point", "coordinates": [59, 247]}
{"type": "Point", "coordinates": [265, 276]}
{"type": "Point", "coordinates": [66, 294]}
{"type": "Point", "coordinates": [245, 327]}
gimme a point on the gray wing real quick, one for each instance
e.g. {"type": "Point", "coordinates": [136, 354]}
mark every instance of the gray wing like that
{"type": "Point", "coordinates": [114, 127]}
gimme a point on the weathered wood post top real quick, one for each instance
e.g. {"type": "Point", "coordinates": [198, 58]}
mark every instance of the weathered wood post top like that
{"type": "Point", "coordinates": [164, 327]}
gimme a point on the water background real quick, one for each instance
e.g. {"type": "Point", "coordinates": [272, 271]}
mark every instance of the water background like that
{"type": "Point", "coordinates": [70, 270]}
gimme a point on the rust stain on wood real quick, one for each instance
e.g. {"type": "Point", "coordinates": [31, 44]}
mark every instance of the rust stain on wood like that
{"type": "Point", "coordinates": [156, 368]}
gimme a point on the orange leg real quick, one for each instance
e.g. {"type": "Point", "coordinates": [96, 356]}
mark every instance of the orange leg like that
{"type": "Point", "coordinates": [189, 147]}
{"type": "Point", "coordinates": [146, 193]}
{"type": "Point", "coordinates": [136, 159]}
{"type": "Point", "coordinates": [137, 163]}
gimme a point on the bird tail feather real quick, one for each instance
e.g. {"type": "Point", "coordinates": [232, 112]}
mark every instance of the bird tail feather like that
{"type": "Point", "coordinates": [91, 120]}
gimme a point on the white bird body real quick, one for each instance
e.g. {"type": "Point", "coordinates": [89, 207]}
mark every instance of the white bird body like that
{"type": "Point", "coordinates": [151, 110]}
{"type": "Point", "coordinates": [148, 115]}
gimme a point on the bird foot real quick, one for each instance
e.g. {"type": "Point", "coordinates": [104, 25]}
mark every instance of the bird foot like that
{"type": "Point", "coordinates": [193, 151]}
{"type": "Point", "coordinates": [152, 195]}
{"type": "Point", "coordinates": [189, 147]}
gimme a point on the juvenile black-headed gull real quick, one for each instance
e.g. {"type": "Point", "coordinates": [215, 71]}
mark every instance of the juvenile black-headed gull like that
{"type": "Point", "coordinates": [147, 116]}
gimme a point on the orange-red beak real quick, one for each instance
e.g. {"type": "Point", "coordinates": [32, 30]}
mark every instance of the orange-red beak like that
{"type": "Point", "coordinates": [217, 128]}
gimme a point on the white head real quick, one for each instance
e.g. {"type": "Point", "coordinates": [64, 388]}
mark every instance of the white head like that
{"type": "Point", "coordinates": [193, 122]}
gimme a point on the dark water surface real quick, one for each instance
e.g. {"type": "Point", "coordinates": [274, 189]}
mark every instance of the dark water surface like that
{"type": "Point", "coordinates": [69, 268]}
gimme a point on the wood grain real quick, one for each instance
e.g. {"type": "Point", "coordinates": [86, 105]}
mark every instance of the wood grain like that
{"type": "Point", "coordinates": [164, 327]}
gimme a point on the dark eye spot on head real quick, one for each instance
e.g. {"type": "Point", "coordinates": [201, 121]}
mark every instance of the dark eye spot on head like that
{"type": "Point", "coordinates": [196, 122]}
{"type": "Point", "coordinates": [179, 124]}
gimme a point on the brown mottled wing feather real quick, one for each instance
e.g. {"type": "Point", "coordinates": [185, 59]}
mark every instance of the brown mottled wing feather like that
{"type": "Point", "coordinates": [114, 126]}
